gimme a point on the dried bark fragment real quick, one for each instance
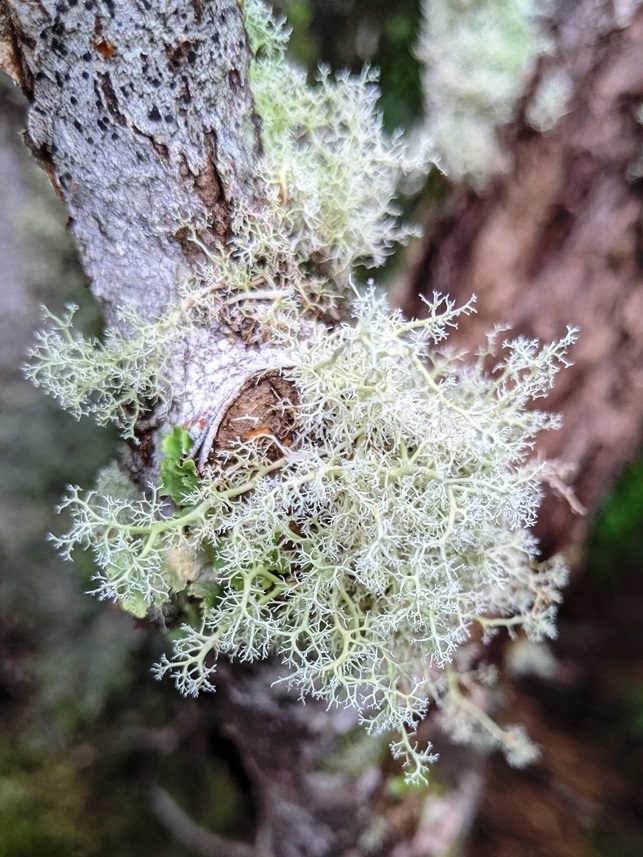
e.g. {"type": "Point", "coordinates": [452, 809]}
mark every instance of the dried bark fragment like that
{"type": "Point", "coordinates": [265, 406]}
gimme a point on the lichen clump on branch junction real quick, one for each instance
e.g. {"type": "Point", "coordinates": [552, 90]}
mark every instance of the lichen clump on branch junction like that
{"type": "Point", "coordinates": [365, 550]}
{"type": "Point", "coordinates": [363, 546]}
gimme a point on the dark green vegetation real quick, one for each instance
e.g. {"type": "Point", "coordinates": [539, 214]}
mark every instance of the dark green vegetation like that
{"type": "Point", "coordinates": [346, 35]}
{"type": "Point", "coordinates": [616, 540]}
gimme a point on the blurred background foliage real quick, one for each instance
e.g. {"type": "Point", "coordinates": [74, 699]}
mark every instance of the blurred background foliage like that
{"type": "Point", "coordinates": [350, 33]}
{"type": "Point", "coordinates": [616, 540]}
{"type": "Point", "coordinates": [85, 732]}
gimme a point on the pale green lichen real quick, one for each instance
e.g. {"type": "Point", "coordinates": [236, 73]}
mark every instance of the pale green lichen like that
{"type": "Point", "coordinates": [324, 145]}
{"type": "Point", "coordinates": [477, 54]}
{"type": "Point", "coordinates": [365, 553]}
{"type": "Point", "coordinates": [396, 519]}
{"type": "Point", "coordinates": [113, 380]}
{"type": "Point", "coordinates": [550, 100]}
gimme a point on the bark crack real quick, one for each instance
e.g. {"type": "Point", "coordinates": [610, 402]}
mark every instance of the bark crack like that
{"type": "Point", "coordinates": [11, 56]}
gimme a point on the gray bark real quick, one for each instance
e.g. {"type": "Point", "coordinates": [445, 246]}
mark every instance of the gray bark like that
{"type": "Point", "coordinates": [141, 113]}
{"type": "Point", "coordinates": [557, 241]}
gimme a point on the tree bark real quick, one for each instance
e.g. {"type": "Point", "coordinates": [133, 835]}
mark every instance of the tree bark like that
{"type": "Point", "coordinates": [143, 117]}
{"type": "Point", "coordinates": [141, 112]}
{"type": "Point", "coordinates": [137, 116]}
{"type": "Point", "coordinates": [557, 241]}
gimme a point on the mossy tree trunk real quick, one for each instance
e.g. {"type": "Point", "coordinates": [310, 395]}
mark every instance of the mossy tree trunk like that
{"type": "Point", "coordinates": [141, 114]}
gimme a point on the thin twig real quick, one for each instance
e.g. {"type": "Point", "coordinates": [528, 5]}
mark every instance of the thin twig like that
{"type": "Point", "coordinates": [190, 834]}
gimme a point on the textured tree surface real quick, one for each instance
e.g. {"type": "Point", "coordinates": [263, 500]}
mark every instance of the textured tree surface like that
{"type": "Point", "coordinates": [141, 113]}
{"type": "Point", "coordinates": [557, 241]}
{"type": "Point", "coordinates": [138, 116]}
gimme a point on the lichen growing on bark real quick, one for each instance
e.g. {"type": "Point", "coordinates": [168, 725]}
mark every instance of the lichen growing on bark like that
{"type": "Point", "coordinates": [364, 544]}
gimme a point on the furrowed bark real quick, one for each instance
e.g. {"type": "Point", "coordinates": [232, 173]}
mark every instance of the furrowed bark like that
{"type": "Point", "coordinates": [557, 241]}
{"type": "Point", "coordinates": [141, 114]}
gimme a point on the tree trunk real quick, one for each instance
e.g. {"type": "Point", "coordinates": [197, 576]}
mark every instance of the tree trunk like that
{"type": "Point", "coordinates": [137, 116]}
{"type": "Point", "coordinates": [558, 241]}
{"type": "Point", "coordinates": [141, 113]}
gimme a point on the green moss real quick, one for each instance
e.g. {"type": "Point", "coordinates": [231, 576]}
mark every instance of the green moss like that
{"type": "Point", "coordinates": [42, 809]}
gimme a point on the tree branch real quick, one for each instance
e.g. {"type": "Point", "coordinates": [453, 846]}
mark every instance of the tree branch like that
{"type": "Point", "coordinates": [190, 834]}
{"type": "Point", "coordinates": [142, 114]}
{"type": "Point", "coordinates": [139, 112]}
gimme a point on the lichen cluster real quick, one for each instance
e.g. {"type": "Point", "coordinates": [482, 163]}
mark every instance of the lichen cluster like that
{"type": "Point", "coordinates": [330, 176]}
{"type": "Point", "coordinates": [476, 54]}
{"type": "Point", "coordinates": [113, 380]}
{"type": "Point", "coordinates": [393, 523]}
{"type": "Point", "coordinates": [364, 552]}
{"type": "Point", "coordinates": [365, 548]}
{"type": "Point", "coordinates": [325, 147]}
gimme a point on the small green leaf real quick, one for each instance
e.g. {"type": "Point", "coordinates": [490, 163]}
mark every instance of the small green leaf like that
{"type": "Point", "coordinates": [178, 474]}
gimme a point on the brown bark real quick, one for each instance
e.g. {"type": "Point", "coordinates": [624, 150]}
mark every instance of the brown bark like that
{"type": "Point", "coordinates": [557, 241]}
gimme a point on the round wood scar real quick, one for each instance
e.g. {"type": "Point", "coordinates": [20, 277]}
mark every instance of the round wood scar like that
{"type": "Point", "coordinates": [265, 406]}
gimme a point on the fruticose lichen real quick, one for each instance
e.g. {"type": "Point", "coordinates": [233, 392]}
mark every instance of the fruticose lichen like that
{"type": "Point", "coordinates": [477, 54]}
{"type": "Point", "coordinates": [365, 547]}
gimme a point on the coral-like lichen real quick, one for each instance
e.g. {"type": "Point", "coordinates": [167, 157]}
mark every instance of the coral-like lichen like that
{"type": "Point", "coordinates": [364, 548]}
